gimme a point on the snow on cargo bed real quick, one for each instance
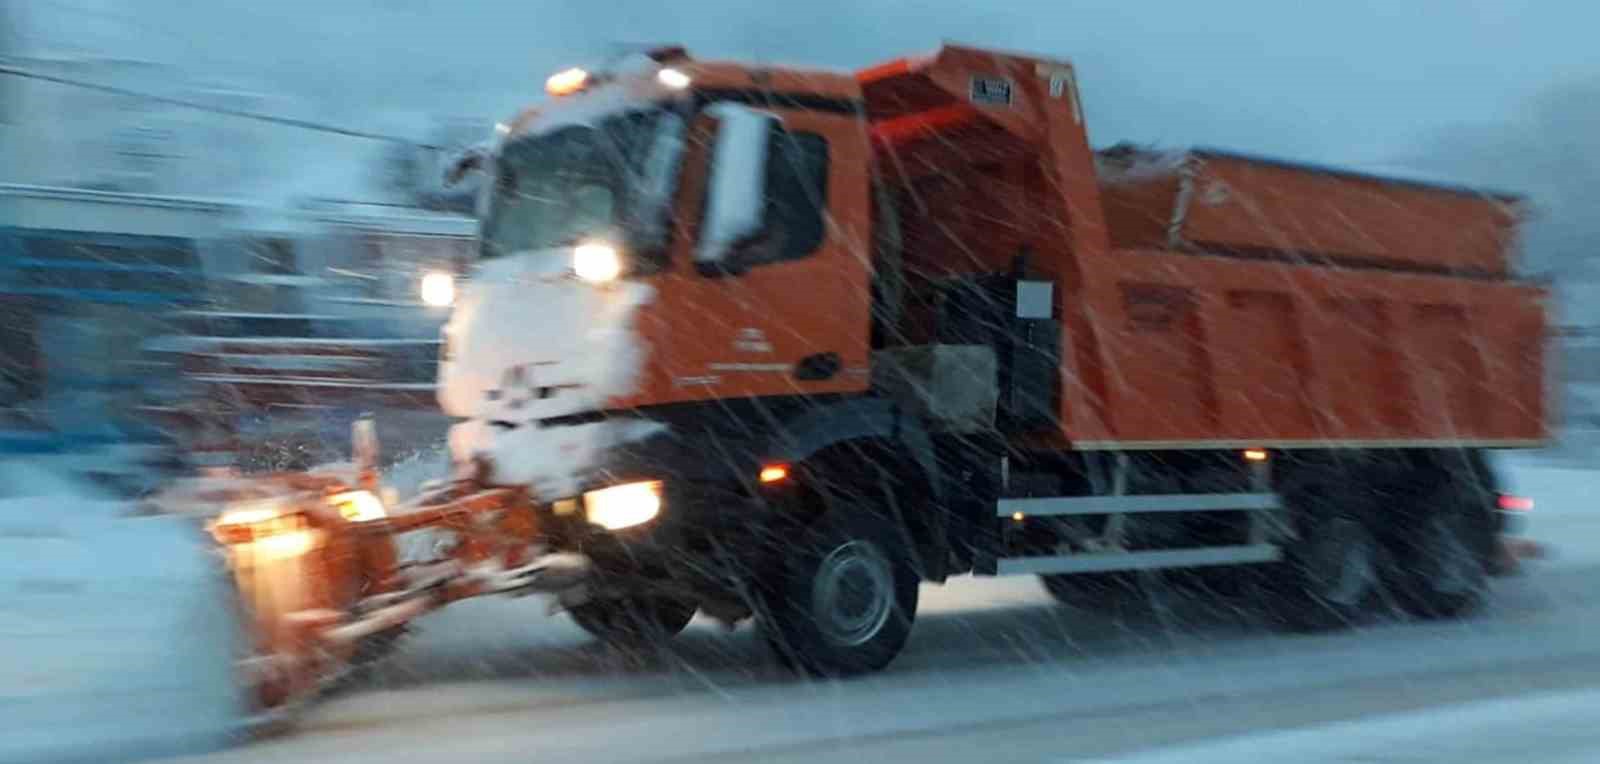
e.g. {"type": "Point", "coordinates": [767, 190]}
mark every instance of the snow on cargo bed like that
{"type": "Point", "coordinates": [1206, 200]}
{"type": "Point", "coordinates": [116, 629]}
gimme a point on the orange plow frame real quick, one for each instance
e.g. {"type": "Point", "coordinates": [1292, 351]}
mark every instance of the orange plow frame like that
{"type": "Point", "coordinates": [321, 592]}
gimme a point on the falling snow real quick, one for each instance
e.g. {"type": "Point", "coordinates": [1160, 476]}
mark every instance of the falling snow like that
{"type": "Point", "coordinates": [212, 257]}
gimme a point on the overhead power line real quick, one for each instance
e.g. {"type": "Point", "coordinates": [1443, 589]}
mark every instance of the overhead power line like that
{"type": "Point", "coordinates": [303, 124]}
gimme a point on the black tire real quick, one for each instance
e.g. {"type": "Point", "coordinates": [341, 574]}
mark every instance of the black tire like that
{"type": "Point", "coordinates": [633, 622]}
{"type": "Point", "coordinates": [1332, 572]}
{"type": "Point", "coordinates": [1111, 594]}
{"type": "Point", "coordinates": [1442, 554]}
{"type": "Point", "coordinates": [847, 597]}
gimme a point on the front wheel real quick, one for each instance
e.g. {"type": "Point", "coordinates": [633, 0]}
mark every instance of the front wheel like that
{"type": "Point", "coordinates": [846, 601]}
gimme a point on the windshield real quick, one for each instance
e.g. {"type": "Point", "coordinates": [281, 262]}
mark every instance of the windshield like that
{"type": "Point", "coordinates": [554, 189]}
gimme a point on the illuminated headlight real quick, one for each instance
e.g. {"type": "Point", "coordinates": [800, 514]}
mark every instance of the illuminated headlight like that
{"type": "Point", "coordinates": [438, 289]}
{"type": "Point", "coordinates": [358, 506]}
{"type": "Point", "coordinates": [673, 78]}
{"type": "Point", "coordinates": [596, 262]}
{"type": "Point", "coordinates": [623, 506]}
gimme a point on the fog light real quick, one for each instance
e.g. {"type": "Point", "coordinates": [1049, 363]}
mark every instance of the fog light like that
{"type": "Point", "coordinates": [438, 289]}
{"type": "Point", "coordinates": [624, 505]}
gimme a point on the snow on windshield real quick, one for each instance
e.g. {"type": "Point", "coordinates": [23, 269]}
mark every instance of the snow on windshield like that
{"type": "Point", "coordinates": [553, 188]}
{"type": "Point", "coordinates": [587, 109]}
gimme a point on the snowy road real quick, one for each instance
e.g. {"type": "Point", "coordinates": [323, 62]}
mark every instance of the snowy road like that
{"type": "Point", "coordinates": [994, 672]}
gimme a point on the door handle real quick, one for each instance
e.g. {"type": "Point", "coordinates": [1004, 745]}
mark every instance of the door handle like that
{"type": "Point", "coordinates": [817, 367]}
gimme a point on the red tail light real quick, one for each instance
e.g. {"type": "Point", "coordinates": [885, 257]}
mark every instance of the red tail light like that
{"type": "Point", "coordinates": [1515, 503]}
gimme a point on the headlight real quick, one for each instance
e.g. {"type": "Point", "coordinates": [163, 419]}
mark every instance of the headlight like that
{"type": "Point", "coordinates": [438, 289]}
{"type": "Point", "coordinates": [596, 262]}
{"type": "Point", "coordinates": [673, 78]}
{"type": "Point", "coordinates": [624, 505]}
{"type": "Point", "coordinates": [358, 506]}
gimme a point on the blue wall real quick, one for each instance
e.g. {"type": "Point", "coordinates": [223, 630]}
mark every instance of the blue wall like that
{"type": "Point", "coordinates": [55, 286]}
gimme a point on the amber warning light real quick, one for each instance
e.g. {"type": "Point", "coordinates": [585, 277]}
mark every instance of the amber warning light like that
{"type": "Point", "coordinates": [774, 473]}
{"type": "Point", "coordinates": [566, 81]}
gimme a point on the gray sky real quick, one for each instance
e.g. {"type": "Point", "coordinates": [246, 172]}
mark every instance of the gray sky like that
{"type": "Point", "coordinates": [1356, 82]}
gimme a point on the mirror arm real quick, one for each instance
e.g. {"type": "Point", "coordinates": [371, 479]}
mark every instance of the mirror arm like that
{"type": "Point", "coordinates": [471, 160]}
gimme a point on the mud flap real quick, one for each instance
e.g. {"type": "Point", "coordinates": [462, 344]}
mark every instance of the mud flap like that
{"type": "Point", "coordinates": [1510, 553]}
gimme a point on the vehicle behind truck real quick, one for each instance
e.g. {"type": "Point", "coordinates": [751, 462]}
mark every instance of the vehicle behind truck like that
{"type": "Point", "coordinates": [771, 343]}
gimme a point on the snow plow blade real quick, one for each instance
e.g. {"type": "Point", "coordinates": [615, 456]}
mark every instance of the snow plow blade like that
{"type": "Point", "coordinates": [320, 586]}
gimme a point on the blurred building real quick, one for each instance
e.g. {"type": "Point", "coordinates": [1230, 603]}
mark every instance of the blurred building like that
{"type": "Point", "coordinates": [142, 203]}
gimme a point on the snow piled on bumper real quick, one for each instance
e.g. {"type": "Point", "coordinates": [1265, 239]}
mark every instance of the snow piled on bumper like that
{"type": "Point", "coordinates": [118, 631]}
{"type": "Point", "coordinates": [552, 461]}
{"type": "Point", "coordinates": [527, 344]}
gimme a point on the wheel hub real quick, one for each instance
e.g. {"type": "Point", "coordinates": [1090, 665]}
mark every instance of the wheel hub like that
{"type": "Point", "coordinates": [1345, 566]}
{"type": "Point", "coordinates": [853, 593]}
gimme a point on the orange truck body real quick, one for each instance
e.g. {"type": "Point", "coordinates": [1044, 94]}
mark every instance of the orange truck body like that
{"type": "Point", "coordinates": [1225, 301]}
{"type": "Point", "coordinates": [1203, 301]}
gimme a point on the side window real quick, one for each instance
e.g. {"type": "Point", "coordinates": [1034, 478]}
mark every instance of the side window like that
{"type": "Point", "coordinates": [797, 194]}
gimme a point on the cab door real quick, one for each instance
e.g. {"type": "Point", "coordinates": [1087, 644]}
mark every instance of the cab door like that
{"type": "Point", "coordinates": [787, 313]}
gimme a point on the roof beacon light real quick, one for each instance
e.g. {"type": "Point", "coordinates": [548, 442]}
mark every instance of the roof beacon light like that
{"type": "Point", "coordinates": [566, 81]}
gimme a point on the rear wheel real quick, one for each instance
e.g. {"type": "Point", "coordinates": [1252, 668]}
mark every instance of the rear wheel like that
{"type": "Point", "coordinates": [1441, 557]}
{"type": "Point", "coordinates": [633, 622]}
{"type": "Point", "coordinates": [846, 600]}
{"type": "Point", "coordinates": [1331, 571]}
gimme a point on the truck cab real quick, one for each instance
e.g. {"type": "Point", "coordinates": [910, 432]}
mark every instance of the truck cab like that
{"type": "Point", "coordinates": [741, 208]}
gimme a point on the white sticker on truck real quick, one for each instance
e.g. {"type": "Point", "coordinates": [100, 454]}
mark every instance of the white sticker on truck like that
{"type": "Point", "coordinates": [991, 91]}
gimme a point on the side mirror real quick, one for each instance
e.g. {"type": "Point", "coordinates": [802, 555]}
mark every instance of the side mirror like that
{"type": "Point", "coordinates": [471, 160]}
{"type": "Point", "coordinates": [736, 201]}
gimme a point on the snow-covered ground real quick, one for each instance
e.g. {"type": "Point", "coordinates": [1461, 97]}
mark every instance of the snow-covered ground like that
{"type": "Point", "coordinates": [1482, 732]}
{"type": "Point", "coordinates": [995, 671]}
{"type": "Point", "coordinates": [107, 655]}
{"type": "Point", "coordinates": [115, 640]}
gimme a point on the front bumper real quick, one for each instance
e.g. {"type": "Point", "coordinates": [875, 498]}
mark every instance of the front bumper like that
{"type": "Point", "coordinates": [717, 522]}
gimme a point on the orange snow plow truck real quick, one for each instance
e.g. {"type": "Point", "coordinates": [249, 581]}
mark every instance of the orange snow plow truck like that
{"type": "Point", "coordinates": [760, 342]}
